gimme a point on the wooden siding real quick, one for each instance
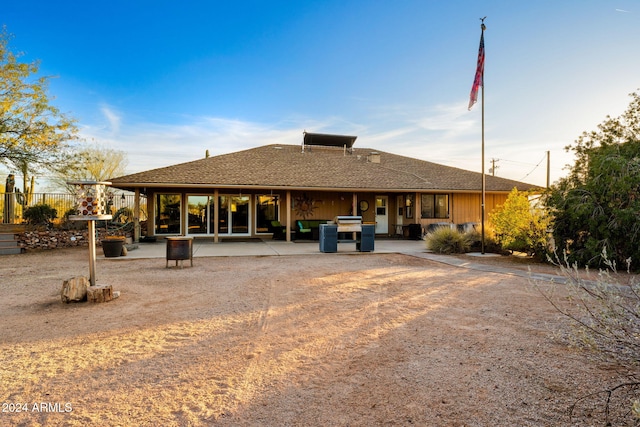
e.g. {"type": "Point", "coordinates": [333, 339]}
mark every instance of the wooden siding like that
{"type": "Point", "coordinates": [467, 207]}
{"type": "Point", "coordinates": [325, 205]}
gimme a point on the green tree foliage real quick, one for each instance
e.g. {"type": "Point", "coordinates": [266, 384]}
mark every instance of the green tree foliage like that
{"type": "Point", "coordinates": [519, 226]}
{"type": "Point", "coordinates": [32, 131]}
{"type": "Point", "coordinates": [597, 205]}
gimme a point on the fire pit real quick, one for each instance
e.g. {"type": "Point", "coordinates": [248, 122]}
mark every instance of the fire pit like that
{"type": "Point", "coordinates": [178, 249]}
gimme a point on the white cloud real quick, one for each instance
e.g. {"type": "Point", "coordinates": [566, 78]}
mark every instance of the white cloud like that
{"type": "Point", "coordinates": [112, 117]}
{"type": "Point", "coordinates": [448, 134]}
{"type": "Point", "coordinates": [450, 119]}
{"type": "Point", "coordinates": [153, 145]}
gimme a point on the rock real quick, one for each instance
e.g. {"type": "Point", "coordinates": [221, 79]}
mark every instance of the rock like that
{"type": "Point", "coordinates": [74, 289]}
{"type": "Point", "coordinates": [100, 293]}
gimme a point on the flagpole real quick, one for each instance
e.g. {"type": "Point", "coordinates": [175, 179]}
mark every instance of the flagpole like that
{"type": "Point", "coordinates": [482, 26]}
{"type": "Point", "coordinates": [478, 82]}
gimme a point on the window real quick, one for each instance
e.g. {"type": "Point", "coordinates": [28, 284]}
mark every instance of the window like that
{"type": "Point", "coordinates": [200, 209]}
{"type": "Point", "coordinates": [266, 211]}
{"type": "Point", "coordinates": [233, 214]}
{"type": "Point", "coordinates": [167, 215]}
{"type": "Point", "coordinates": [435, 205]}
{"type": "Point", "coordinates": [381, 206]}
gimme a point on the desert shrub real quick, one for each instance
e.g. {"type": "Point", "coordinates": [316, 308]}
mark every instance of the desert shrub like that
{"type": "Point", "coordinates": [68, 213]}
{"type": "Point", "coordinates": [68, 224]}
{"type": "Point", "coordinates": [521, 227]}
{"type": "Point", "coordinates": [473, 241]}
{"type": "Point", "coordinates": [445, 240]}
{"type": "Point", "coordinates": [604, 311]}
{"type": "Point", "coordinates": [41, 214]}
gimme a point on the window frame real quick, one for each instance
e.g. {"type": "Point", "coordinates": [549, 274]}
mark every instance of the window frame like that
{"type": "Point", "coordinates": [432, 200]}
{"type": "Point", "coordinates": [158, 226]}
{"type": "Point", "coordinates": [276, 207]}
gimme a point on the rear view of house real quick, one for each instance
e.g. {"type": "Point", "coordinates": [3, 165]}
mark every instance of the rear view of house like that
{"type": "Point", "coordinates": [252, 192]}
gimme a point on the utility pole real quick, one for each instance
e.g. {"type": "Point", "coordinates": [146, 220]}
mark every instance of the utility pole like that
{"type": "Point", "coordinates": [493, 166]}
{"type": "Point", "coordinates": [548, 168]}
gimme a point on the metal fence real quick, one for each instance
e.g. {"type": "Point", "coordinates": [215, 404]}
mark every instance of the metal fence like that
{"type": "Point", "coordinates": [13, 205]}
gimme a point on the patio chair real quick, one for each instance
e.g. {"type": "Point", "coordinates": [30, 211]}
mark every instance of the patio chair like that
{"type": "Point", "coordinates": [279, 231]}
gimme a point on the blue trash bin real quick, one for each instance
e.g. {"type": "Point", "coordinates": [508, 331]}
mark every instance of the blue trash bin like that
{"type": "Point", "coordinates": [367, 238]}
{"type": "Point", "coordinates": [328, 238]}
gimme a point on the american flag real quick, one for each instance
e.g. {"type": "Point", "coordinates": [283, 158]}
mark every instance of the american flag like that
{"type": "Point", "coordinates": [478, 81]}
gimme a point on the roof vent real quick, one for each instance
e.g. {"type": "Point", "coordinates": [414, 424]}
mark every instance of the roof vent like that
{"type": "Point", "coordinates": [373, 157]}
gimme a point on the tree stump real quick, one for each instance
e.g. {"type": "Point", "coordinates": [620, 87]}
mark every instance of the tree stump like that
{"type": "Point", "coordinates": [74, 289]}
{"type": "Point", "coordinates": [99, 293]}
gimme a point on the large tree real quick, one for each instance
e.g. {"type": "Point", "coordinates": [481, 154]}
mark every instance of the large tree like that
{"type": "Point", "coordinates": [92, 162]}
{"type": "Point", "coordinates": [597, 206]}
{"type": "Point", "coordinates": [32, 131]}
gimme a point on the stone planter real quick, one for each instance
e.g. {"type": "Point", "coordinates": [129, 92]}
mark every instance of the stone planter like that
{"type": "Point", "coordinates": [112, 246]}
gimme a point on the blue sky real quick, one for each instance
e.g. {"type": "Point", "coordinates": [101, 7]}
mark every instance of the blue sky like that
{"type": "Point", "coordinates": [166, 80]}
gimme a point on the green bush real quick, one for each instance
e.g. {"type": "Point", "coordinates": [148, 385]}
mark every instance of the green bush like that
{"type": "Point", "coordinates": [41, 214]}
{"type": "Point", "coordinates": [68, 224]}
{"type": "Point", "coordinates": [474, 241]}
{"type": "Point", "coordinates": [597, 205]}
{"type": "Point", "coordinates": [521, 227]}
{"type": "Point", "coordinates": [69, 212]}
{"type": "Point", "coordinates": [447, 240]}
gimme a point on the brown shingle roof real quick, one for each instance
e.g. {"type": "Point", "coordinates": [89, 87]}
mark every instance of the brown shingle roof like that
{"type": "Point", "coordinates": [273, 166]}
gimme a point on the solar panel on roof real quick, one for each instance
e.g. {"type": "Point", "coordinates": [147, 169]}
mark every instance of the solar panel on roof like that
{"type": "Point", "coordinates": [327, 140]}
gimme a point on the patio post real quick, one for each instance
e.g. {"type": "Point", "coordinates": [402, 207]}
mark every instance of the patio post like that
{"type": "Point", "coordinates": [136, 216]}
{"type": "Point", "coordinates": [354, 210]}
{"type": "Point", "coordinates": [216, 215]}
{"type": "Point", "coordinates": [288, 215]}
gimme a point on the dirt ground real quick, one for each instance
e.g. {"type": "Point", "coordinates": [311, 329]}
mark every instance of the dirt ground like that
{"type": "Point", "coordinates": [322, 340]}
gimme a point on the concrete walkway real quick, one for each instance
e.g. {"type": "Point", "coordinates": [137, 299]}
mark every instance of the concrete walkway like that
{"type": "Point", "coordinates": [267, 247]}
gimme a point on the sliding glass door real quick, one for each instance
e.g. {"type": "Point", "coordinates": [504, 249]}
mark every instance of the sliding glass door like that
{"type": "Point", "coordinates": [266, 211]}
{"type": "Point", "coordinates": [233, 214]}
{"type": "Point", "coordinates": [239, 214]}
{"type": "Point", "coordinates": [200, 210]}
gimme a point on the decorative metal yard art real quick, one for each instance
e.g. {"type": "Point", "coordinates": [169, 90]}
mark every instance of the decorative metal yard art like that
{"type": "Point", "coordinates": [91, 197]}
{"type": "Point", "coordinates": [304, 206]}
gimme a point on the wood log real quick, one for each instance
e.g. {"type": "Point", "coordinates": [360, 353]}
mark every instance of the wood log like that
{"type": "Point", "coordinates": [74, 289]}
{"type": "Point", "coordinates": [100, 293]}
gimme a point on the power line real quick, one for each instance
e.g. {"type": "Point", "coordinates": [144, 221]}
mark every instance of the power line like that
{"type": "Point", "coordinates": [515, 161]}
{"type": "Point", "coordinates": [535, 167]}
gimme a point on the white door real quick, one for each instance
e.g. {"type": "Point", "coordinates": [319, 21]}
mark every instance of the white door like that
{"type": "Point", "coordinates": [382, 215]}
